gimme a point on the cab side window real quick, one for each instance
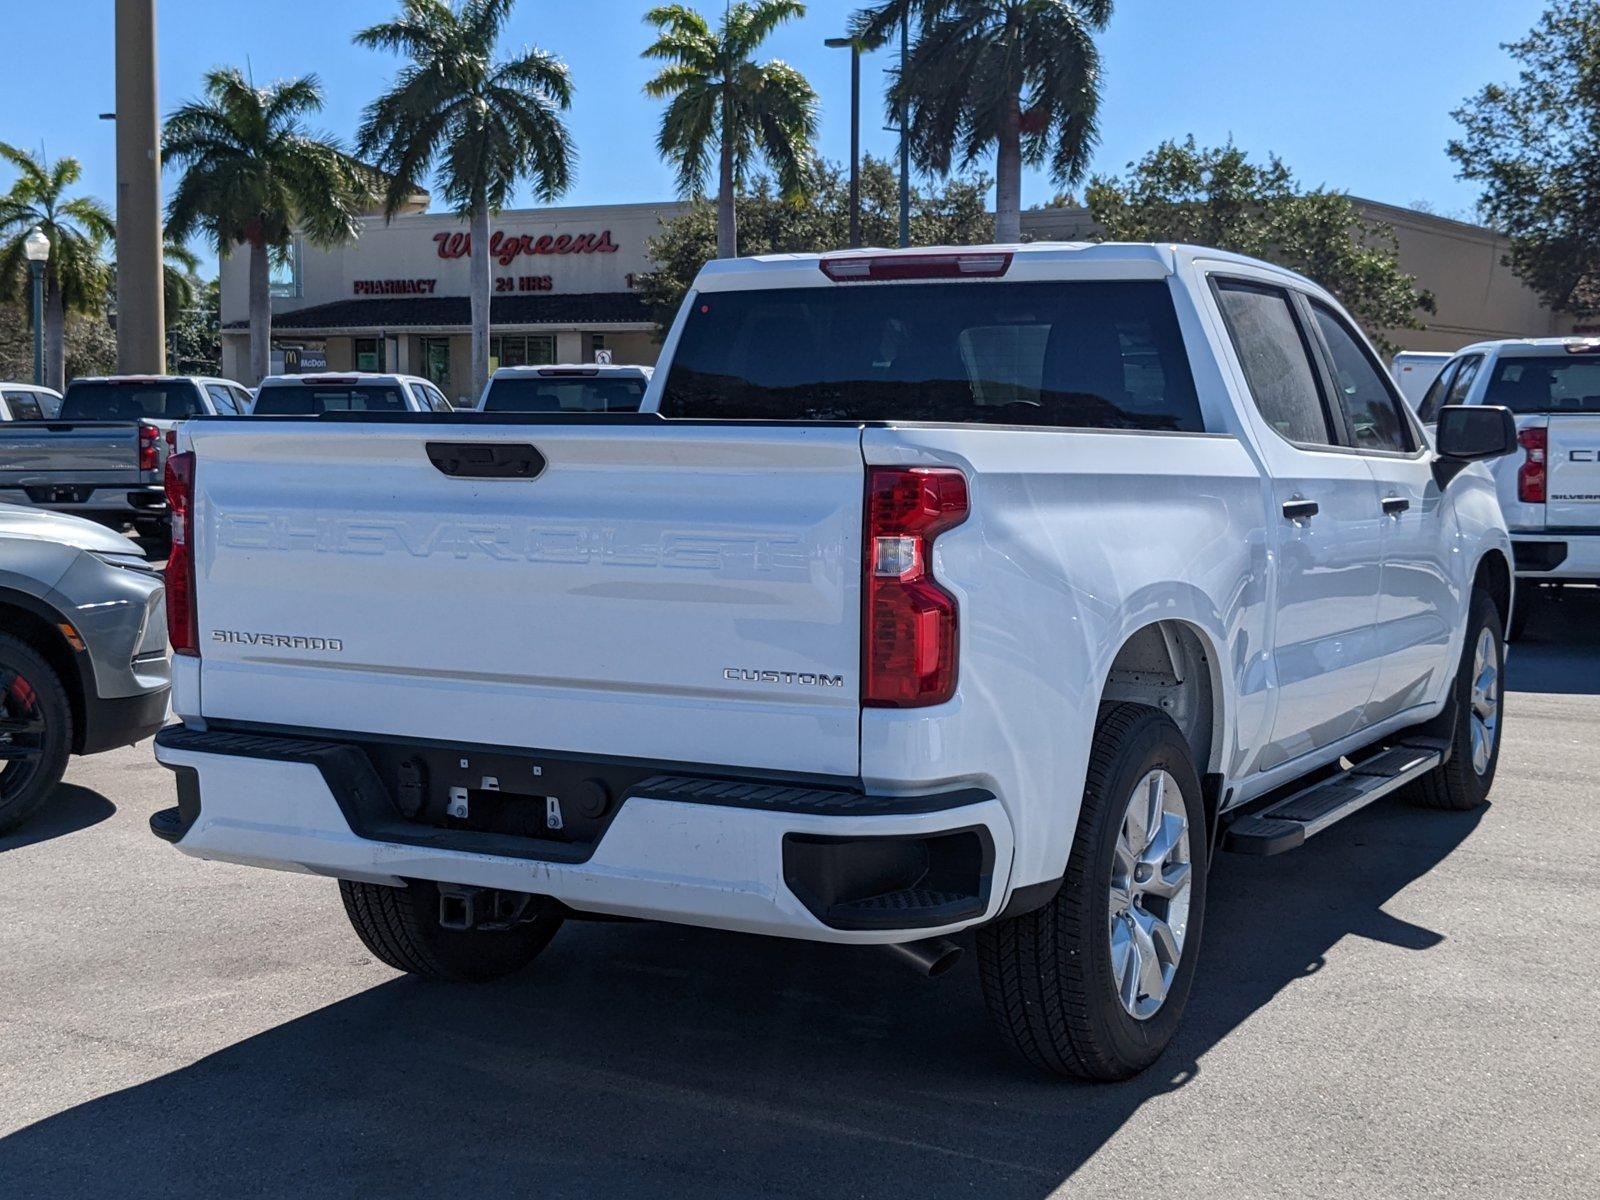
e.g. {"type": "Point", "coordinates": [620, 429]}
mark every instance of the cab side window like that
{"type": "Point", "coordinates": [1461, 385]}
{"type": "Point", "coordinates": [222, 399]}
{"type": "Point", "coordinates": [1276, 359]}
{"type": "Point", "coordinates": [1372, 411]}
{"type": "Point", "coordinates": [1428, 410]}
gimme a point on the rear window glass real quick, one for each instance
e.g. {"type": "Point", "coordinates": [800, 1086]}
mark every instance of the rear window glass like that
{"type": "Point", "coordinates": [169, 400]}
{"type": "Point", "coordinates": [544, 394]}
{"type": "Point", "coordinates": [304, 399]}
{"type": "Point", "coordinates": [1099, 355]}
{"type": "Point", "coordinates": [1533, 385]}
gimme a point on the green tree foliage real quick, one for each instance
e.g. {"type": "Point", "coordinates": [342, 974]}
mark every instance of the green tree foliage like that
{"type": "Point", "coordinates": [1215, 196]}
{"type": "Point", "coordinates": [90, 344]}
{"type": "Point", "coordinates": [253, 173]}
{"type": "Point", "coordinates": [76, 278]}
{"type": "Point", "coordinates": [1535, 147]}
{"type": "Point", "coordinates": [725, 107]}
{"type": "Point", "coordinates": [194, 332]}
{"type": "Point", "coordinates": [1019, 76]}
{"type": "Point", "coordinates": [475, 124]}
{"type": "Point", "coordinates": [954, 215]}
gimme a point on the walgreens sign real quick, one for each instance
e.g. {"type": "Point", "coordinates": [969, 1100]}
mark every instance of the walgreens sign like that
{"type": "Point", "coordinates": [506, 248]}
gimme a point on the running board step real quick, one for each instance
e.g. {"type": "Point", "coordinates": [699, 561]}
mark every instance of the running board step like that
{"type": "Point", "coordinates": [1305, 814]}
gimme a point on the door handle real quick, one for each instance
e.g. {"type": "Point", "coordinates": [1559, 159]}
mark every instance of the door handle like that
{"type": "Point", "coordinates": [486, 460]}
{"type": "Point", "coordinates": [1395, 505]}
{"type": "Point", "coordinates": [1300, 510]}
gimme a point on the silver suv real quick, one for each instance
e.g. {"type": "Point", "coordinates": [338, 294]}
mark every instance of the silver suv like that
{"type": "Point", "coordinates": [83, 650]}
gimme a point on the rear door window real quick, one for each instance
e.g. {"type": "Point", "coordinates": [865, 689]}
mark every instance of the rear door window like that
{"type": "Point", "coordinates": [24, 406]}
{"type": "Point", "coordinates": [1546, 384]}
{"type": "Point", "coordinates": [127, 400]}
{"type": "Point", "coordinates": [306, 399]}
{"type": "Point", "coordinates": [1098, 355]}
{"type": "Point", "coordinates": [222, 398]}
{"type": "Point", "coordinates": [1276, 359]}
{"type": "Point", "coordinates": [1373, 411]}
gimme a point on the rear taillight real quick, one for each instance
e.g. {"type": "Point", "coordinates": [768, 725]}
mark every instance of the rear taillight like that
{"type": "Point", "coordinates": [1531, 475]}
{"type": "Point", "coordinates": [149, 447]}
{"type": "Point", "coordinates": [909, 625]}
{"type": "Point", "coordinates": [183, 630]}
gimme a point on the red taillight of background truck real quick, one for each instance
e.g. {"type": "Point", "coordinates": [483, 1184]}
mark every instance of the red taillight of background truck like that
{"type": "Point", "coordinates": [910, 625]}
{"type": "Point", "coordinates": [149, 447]}
{"type": "Point", "coordinates": [1532, 475]}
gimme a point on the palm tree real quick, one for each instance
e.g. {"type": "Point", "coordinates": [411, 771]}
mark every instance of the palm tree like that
{"type": "Point", "coordinates": [180, 277]}
{"type": "Point", "coordinates": [478, 125]}
{"type": "Point", "coordinates": [1022, 76]}
{"type": "Point", "coordinates": [253, 173]}
{"type": "Point", "coordinates": [722, 102]}
{"type": "Point", "coordinates": [76, 277]}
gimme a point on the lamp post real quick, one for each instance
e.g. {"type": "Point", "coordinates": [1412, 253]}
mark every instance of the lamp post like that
{"type": "Point", "coordinates": [36, 249]}
{"type": "Point", "coordinates": [905, 134]}
{"type": "Point", "coordinates": [839, 43]}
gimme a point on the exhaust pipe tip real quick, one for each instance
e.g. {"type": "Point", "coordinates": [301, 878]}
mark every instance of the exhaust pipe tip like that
{"type": "Point", "coordinates": [931, 958]}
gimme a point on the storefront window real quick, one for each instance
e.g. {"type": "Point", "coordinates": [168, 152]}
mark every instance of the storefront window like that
{"type": "Point", "coordinates": [368, 354]}
{"type": "Point", "coordinates": [521, 350]}
{"type": "Point", "coordinates": [436, 362]}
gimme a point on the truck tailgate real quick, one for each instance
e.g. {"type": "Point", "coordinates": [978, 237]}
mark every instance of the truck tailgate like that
{"type": "Point", "coordinates": [33, 448]}
{"type": "Point", "coordinates": [1573, 493]}
{"type": "Point", "coordinates": [687, 594]}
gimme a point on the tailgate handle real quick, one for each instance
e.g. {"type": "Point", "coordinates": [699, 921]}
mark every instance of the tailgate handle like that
{"type": "Point", "coordinates": [486, 460]}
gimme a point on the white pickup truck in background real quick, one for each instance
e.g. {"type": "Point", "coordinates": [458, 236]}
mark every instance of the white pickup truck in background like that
{"type": "Point", "coordinates": [1550, 490]}
{"type": "Point", "coordinates": [983, 589]}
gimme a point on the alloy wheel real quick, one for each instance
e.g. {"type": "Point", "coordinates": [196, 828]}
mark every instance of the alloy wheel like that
{"type": "Point", "coordinates": [1150, 890]}
{"type": "Point", "coordinates": [1485, 702]}
{"type": "Point", "coordinates": [22, 731]}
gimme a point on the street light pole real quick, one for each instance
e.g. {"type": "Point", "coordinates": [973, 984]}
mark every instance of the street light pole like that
{"type": "Point", "coordinates": [141, 323]}
{"type": "Point", "coordinates": [905, 134]}
{"type": "Point", "coordinates": [855, 133]}
{"type": "Point", "coordinates": [36, 249]}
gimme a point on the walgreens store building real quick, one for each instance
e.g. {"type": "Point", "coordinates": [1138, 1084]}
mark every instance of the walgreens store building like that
{"type": "Point", "coordinates": [395, 299]}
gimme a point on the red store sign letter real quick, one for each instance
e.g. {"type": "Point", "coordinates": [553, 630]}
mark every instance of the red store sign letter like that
{"type": "Point", "coordinates": [506, 248]}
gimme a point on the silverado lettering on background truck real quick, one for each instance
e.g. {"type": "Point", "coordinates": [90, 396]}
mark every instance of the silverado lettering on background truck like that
{"type": "Point", "coordinates": [1053, 579]}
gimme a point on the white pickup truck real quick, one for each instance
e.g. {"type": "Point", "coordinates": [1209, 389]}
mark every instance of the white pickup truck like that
{"type": "Point", "coordinates": [933, 591]}
{"type": "Point", "coordinates": [1550, 489]}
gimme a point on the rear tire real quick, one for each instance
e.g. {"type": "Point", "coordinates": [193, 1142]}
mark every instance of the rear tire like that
{"type": "Point", "coordinates": [35, 726]}
{"type": "Point", "coordinates": [400, 925]}
{"type": "Point", "coordinates": [1463, 783]}
{"type": "Point", "coordinates": [1052, 979]}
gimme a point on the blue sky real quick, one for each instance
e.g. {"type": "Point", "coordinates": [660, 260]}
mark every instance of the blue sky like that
{"type": "Point", "coordinates": [1356, 95]}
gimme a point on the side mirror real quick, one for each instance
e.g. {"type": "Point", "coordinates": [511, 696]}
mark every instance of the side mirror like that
{"type": "Point", "coordinates": [1469, 433]}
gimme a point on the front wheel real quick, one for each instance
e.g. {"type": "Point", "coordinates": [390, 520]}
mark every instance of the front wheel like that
{"type": "Point", "coordinates": [1093, 984]}
{"type": "Point", "coordinates": [400, 925]}
{"type": "Point", "coordinates": [35, 731]}
{"type": "Point", "coordinates": [1464, 782]}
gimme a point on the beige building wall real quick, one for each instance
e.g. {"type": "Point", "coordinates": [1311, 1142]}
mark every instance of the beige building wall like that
{"type": "Point", "coordinates": [1462, 265]}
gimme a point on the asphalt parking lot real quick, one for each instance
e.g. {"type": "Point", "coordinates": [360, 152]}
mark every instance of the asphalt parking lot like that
{"type": "Point", "coordinates": [1405, 1007]}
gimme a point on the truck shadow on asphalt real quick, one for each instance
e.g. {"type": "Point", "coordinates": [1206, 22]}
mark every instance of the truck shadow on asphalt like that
{"type": "Point", "coordinates": [647, 1060]}
{"type": "Point", "coordinates": [69, 809]}
{"type": "Point", "coordinates": [1560, 650]}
